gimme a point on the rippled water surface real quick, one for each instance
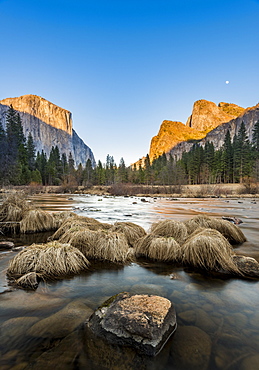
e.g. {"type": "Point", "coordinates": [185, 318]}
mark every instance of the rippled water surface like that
{"type": "Point", "coordinates": [218, 318]}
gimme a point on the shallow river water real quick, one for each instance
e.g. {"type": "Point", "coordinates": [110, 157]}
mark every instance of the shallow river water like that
{"type": "Point", "coordinates": [218, 316]}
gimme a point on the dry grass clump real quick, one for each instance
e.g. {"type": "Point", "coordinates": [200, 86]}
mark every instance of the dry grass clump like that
{"type": "Point", "coordinates": [13, 208]}
{"type": "Point", "coordinates": [28, 281]}
{"type": "Point", "coordinates": [76, 222]}
{"type": "Point", "coordinates": [36, 220]}
{"type": "Point", "coordinates": [85, 241]}
{"type": "Point", "coordinates": [111, 246]}
{"type": "Point", "coordinates": [70, 223]}
{"type": "Point", "coordinates": [51, 261]}
{"type": "Point", "coordinates": [131, 231]}
{"type": "Point", "coordinates": [104, 245]}
{"type": "Point", "coordinates": [209, 249]}
{"type": "Point", "coordinates": [60, 217]}
{"type": "Point", "coordinates": [170, 228]}
{"type": "Point", "coordinates": [158, 248]}
{"type": "Point", "coordinates": [230, 231]}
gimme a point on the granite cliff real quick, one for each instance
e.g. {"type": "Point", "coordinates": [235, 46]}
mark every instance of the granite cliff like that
{"type": "Point", "coordinates": [205, 117]}
{"type": "Point", "coordinates": [249, 116]}
{"type": "Point", "coordinates": [49, 125]}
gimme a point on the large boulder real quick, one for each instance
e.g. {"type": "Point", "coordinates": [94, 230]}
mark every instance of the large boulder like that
{"type": "Point", "coordinates": [144, 322]}
{"type": "Point", "coordinates": [248, 266]}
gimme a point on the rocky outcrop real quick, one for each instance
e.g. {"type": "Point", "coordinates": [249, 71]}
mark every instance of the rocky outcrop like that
{"type": "Point", "coordinates": [206, 115]}
{"type": "Point", "coordinates": [49, 125]}
{"type": "Point", "coordinates": [249, 116]}
{"type": "Point", "coordinates": [248, 266]}
{"type": "Point", "coordinates": [170, 134]}
{"type": "Point", "coordinates": [176, 137]}
{"type": "Point", "coordinates": [144, 322]}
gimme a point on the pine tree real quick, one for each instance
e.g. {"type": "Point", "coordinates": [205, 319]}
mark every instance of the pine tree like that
{"type": "Point", "coordinates": [99, 174]}
{"type": "Point", "coordinates": [16, 148]}
{"type": "Point", "coordinates": [31, 152]}
{"type": "Point", "coordinates": [227, 159]}
{"type": "Point", "coordinates": [243, 153]}
{"type": "Point", "coordinates": [122, 175]}
{"type": "Point", "coordinates": [3, 155]}
{"type": "Point", "coordinates": [88, 173]}
{"type": "Point", "coordinates": [41, 166]}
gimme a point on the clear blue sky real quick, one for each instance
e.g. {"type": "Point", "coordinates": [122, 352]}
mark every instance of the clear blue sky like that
{"type": "Point", "coordinates": [123, 66]}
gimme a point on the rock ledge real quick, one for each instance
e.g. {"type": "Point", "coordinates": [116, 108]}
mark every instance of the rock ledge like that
{"type": "Point", "coordinates": [144, 322]}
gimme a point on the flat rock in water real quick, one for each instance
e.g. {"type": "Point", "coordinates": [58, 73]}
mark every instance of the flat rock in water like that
{"type": "Point", "coordinates": [61, 323]}
{"type": "Point", "coordinates": [144, 322]}
{"type": "Point", "coordinates": [6, 245]}
{"type": "Point", "coordinates": [247, 265]}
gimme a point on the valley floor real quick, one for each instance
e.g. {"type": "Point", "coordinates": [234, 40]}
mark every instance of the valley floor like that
{"type": "Point", "coordinates": [177, 191]}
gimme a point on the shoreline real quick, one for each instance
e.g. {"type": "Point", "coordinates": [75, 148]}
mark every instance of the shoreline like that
{"type": "Point", "coordinates": [159, 191]}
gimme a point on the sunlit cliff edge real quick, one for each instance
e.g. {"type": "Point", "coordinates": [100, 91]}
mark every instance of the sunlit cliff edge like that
{"type": "Point", "coordinates": [206, 116]}
{"type": "Point", "coordinates": [49, 124]}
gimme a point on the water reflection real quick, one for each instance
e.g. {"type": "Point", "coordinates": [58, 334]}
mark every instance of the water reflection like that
{"type": "Point", "coordinates": [222, 312]}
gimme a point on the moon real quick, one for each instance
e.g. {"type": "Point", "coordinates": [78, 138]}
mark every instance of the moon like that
{"type": "Point", "coordinates": [227, 82]}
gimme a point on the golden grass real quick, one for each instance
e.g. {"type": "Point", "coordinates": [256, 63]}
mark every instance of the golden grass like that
{"type": "Point", "coordinates": [104, 245]}
{"type": "Point", "coordinates": [28, 281]}
{"type": "Point", "coordinates": [210, 250]}
{"type": "Point", "coordinates": [36, 220]}
{"type": "Point", "coordinates": [60, 217]}
{"type": "Point", "coordinates": [13, 208]}
{"type": "Point", "coordinates": [158, 248]}
{"type": "Point", "coordinates": [51, 261]}
{"type": "Point", "coordinates": [111, 246]}
{"type": "Point", "coordinates": [85, 241]}
{"type": "Point", "coordinates": [170, 228]}
{"type": "Point", "coordinates": [79, 222]}
{"type": "Point", "coordinates": [230, 231]}
{"type": "Point", "coordinates": [131, 231]}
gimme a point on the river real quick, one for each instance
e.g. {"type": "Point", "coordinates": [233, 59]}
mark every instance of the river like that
{"type": "Point", "coordinates": [218, 318]}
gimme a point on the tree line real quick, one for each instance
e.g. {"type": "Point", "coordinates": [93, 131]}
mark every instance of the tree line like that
{"type": "Point", "coordinates": [237, 160]}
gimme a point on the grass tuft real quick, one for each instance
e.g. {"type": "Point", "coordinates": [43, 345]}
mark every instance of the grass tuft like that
{"type": "Point", "coordinates": [131, 231]}
{"type": "Point", "coordinates": [52, 261]}
{"type": "Point", "coordinates": [170, 228]}
{"type": "Point", "coordinates": [13, 208]}
{"type": "Point", "coordinates": [158, 248]}
{"type": "Point", "coordinates": [210, 250]}
{"type": "Point", "coordinates": [36, 220]}
{"type": "Point", "coordinates": [230, 231]}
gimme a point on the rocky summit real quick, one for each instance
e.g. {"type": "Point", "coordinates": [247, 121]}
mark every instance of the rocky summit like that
{"type": "Point", "coordinates": [49, 125]}
{"type": "Point", "coordinates": [208, 122]}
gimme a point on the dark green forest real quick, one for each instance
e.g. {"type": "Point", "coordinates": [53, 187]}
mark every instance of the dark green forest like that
{"type": "Point", "coordinates": [235, 162]}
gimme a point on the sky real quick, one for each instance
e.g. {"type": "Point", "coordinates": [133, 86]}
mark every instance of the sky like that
{"type": "Point", "coordinates": [123, 66]}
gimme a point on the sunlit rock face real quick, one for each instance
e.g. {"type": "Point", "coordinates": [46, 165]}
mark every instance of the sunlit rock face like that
{"type": "Point", "coordinates": [206, 115]}
{"type": "Point", "coordinates": [249, 116]}
{"type": "Point", "coordinates": [170, 134]}
{"type": "Point", "coordinates": [49, 124]}
{"type": "Point", "coordinates": [208, 123]}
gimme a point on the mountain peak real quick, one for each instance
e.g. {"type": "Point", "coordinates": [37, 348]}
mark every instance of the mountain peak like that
{"type": "Point", "coordinates": [205, 117]}
{"type": "Point", "coordinates": [42, 109]}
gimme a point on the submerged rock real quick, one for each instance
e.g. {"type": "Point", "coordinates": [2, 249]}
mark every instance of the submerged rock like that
{"type": "Point", "coordinates": [62, 356]}
{"type": "Point", "coordinates": [248, 266]}
{"type": "Point", "coordinates": [191, 348]}
{"type": "Point", "coordinates": [61, 323]}
{"type": "Point", "coordinates": [6, 245]}
{"type": "Point", "coordinates": [144, 322]}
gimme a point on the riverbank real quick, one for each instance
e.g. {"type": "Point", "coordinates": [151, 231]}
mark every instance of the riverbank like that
{"type": "Point", "coordinates": [173, 191]}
